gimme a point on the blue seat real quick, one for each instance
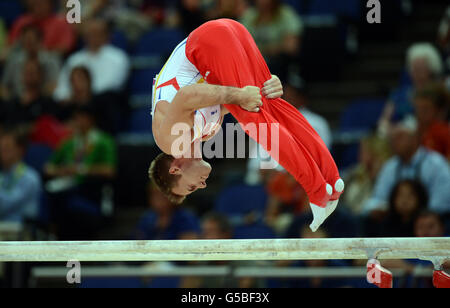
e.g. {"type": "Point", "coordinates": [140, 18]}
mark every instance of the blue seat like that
{"type": "Point", "coordinates": [158, 41]}
{"type": "Point", "coordinates": [361, 115]}
{"type": "Point", "coordinates": [141, 121]}
{"type": "Point", "coordinates": [37, 156]}
{"type": "Point", "coordinates": [254, 231]}
{"type": "Point", "coordinates": [119, 40]}
{"type": "Point", "coordinates": [346, 8]}
{"type": "Point", "coordinates": [10, 10]}
{"type": "Point", "coordinates": [241, 200]}
{"type": "Point", "coordinates": [142, 80]}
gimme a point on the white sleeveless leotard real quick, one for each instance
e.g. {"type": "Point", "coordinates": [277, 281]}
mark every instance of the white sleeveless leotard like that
{"type": "Point", "coordinates": [179, 72]}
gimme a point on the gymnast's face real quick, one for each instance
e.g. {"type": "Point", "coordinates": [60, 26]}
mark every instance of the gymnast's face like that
{"type": "Point", "coordinates": [192, 173]}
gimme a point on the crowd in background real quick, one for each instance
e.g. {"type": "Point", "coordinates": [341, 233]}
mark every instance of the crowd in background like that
{"type": "Point", "coordinates": [65, 88]}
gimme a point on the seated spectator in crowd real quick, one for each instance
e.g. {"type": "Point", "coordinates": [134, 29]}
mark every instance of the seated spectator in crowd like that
{"type": "Point", "coordinates": [232, 9]}
{"type": "Point", "coordinates": [426, 224]}
{"type": "Point", "coordinates": [165, 220]}
{"type": "Point", "coordinates": [424, 65]}
{"type": "Point", "coordinates": [109, 66]}
{"type": "Point", "coordinates": [411, 161]}
{"type": "Point", "coordinates": [58, 35]}
{"type": "Point", "coordinates": [30, 48]}
{"type": "Point", "coordinates": [31, 103]}
{"type": "Point", "coordinates": [191, 15]}
{"type": "Point", "coordinates": [305, 232]}
{"type": "Point", "coordinates": [444, 40]}
{"type": "Point", "coordinates": [218, 227]}
{"type": "Point", "coordinates": [80, 169]}
{"type": "Point", "coordinates": [3, 40]}
{"type": "Point", "coordinates": [20, 186]}
{"type": "Point", "coordinates": [406, 201]}
{"type": "Point", "coordinates": [360, 179]}
{"type": "Point", "coordinates": [125, 15]}
{"type": "Point", "coordinates": [432, 106]}
{"type": "Point", "coordinates": [277, 30]}
{"type": "Point", "coordinates": [106, 105]}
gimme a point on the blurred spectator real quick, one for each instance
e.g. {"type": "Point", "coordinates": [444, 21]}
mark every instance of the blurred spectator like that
{"type": "Point", "coordinates": [305, 232]}
{"type": "Point", "coordinates": [109, 66]}
{"type": "Point", "coordinates": [277, 30]}
{"type": "Point", "coordinates": [80, 169]}
{"type": "Point", "coordinates": [125, 15]}
{"type": "Point", "coordinates": [360, 179]}
{"type": "Point", "coordinates": [426, 224]}
{"type": "Point", "coordinates": [58, 35]}
{"type": "Point", "coordinates": [166, 221]}
{"type": "Point", "coordinates": [424, 65]}
{"type": "Point", "coordinates": [191, 15]}
{"type": "Point", "coordinates": [412, 161]}
{"type": "Point", "coordinates": [3, 40]}
{"type": "Point", "coordinates": [106, 105]}
{"type": "Point", "coordinates": [406, 201]}
{"type": "Point", "coordinates": [444, 38]}
{"type": "Point", "coordinates": [20, 186]}
{"type": "Point", "coordinates": [429, 224]}
{"type": "Point", "coordinates": [232, 9]}
{"type": "Point", "coordinates": [216, 227]}
{"type": "Point", "coordinates": [30, 48]}
{"type": "Point", "coordinates": [31, 103]}
{"type": "Point", "coordinates": [432, 106]}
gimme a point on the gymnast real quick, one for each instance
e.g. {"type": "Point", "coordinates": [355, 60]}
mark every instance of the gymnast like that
{"type": "Point", "coordinates": [217, 70]}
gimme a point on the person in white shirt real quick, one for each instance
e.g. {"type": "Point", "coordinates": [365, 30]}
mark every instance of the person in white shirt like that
{"type": "Point", "coordinates": [109, 66]}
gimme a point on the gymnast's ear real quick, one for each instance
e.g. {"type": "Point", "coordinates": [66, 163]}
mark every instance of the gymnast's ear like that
{"type": "Point", "coordinates": [174, 169]}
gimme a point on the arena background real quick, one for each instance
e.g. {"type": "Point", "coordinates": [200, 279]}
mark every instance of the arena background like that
{"type": "Point", "coordinates": [343, 72]}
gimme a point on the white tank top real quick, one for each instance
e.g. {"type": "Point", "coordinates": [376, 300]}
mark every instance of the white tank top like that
{"type": "Point", "coordinates": [179, 72]}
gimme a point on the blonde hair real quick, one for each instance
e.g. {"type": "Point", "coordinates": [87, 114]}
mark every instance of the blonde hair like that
{"type": "Point", "coordinates": [430, 53]}
{"type": "Point", "coordinates": [162, 179]}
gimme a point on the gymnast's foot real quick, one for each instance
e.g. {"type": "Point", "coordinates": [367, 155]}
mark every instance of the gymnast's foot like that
{"type": "Point", "coordinates": [320, 214]}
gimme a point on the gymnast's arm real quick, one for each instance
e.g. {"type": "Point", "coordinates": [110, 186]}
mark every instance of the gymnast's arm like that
{"type": "Point", "coordinates": [194, 97]}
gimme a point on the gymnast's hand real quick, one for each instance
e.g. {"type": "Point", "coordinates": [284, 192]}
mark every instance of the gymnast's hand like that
{"type": "Point", "coordinates": [273, 88]}
{"type": "Point", "coordinates": [251, 99]}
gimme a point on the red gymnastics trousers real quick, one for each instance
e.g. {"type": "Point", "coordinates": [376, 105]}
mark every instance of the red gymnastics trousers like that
{"type": "Point", "coordinates": [225, 54]}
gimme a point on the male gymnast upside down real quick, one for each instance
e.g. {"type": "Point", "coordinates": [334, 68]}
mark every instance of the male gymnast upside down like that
{"type": "Point", "coordinates": [217, 70]}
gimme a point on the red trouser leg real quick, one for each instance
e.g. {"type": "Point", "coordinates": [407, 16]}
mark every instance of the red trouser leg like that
{"type": "Point", "coordinates": [226, 54]}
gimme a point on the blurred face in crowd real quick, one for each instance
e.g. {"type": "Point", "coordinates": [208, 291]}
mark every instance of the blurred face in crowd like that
{"type": "Point", "coordinates": [295, 97]}
{"type": "Point", "coordinates": [32, 76]}
{"type": "Point", "coordinates": [158, 201]}
{"type": "Point", "coordinates": [428, 226]}
{"type": "Point", "coordinates": [31, 41]}
{"type": "Point", "coordinates": [266, 5]}
{"type": "Point", "coordinates": [80, 81]}
{"type": "Point", "coordinates": [426, 111]}
{"type": "Point", "coordinates": [10, 152]}
{"type": "Point", "coordinates": [406, 201]}
{"type": "Point", "coordinates": [96, 34]}
{"type": "Point", "coordinates": [191, 5]}
{"type": "Point", "coordinates": [404, 143]}
{"type": "Point", "coordinates": [40, 8]}
{"type": "Point", "coordinates": [83, 122]}
{"type": "Point", "coordinates": [193, 175]}
{"type": "Point", "coordinates": [211, 230]}
{"type": "Point", "coordinates": [306, 233]}
{"type": "Point", "coordinates": [420, 72]}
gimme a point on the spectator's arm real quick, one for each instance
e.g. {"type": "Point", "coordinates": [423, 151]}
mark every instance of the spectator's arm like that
{"type": "Point", "coordinates": [384, 184]}
{"type": "Point", "coordinates": [21, 195]}
{"type": "Point", "coordinates": [439, 188]}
